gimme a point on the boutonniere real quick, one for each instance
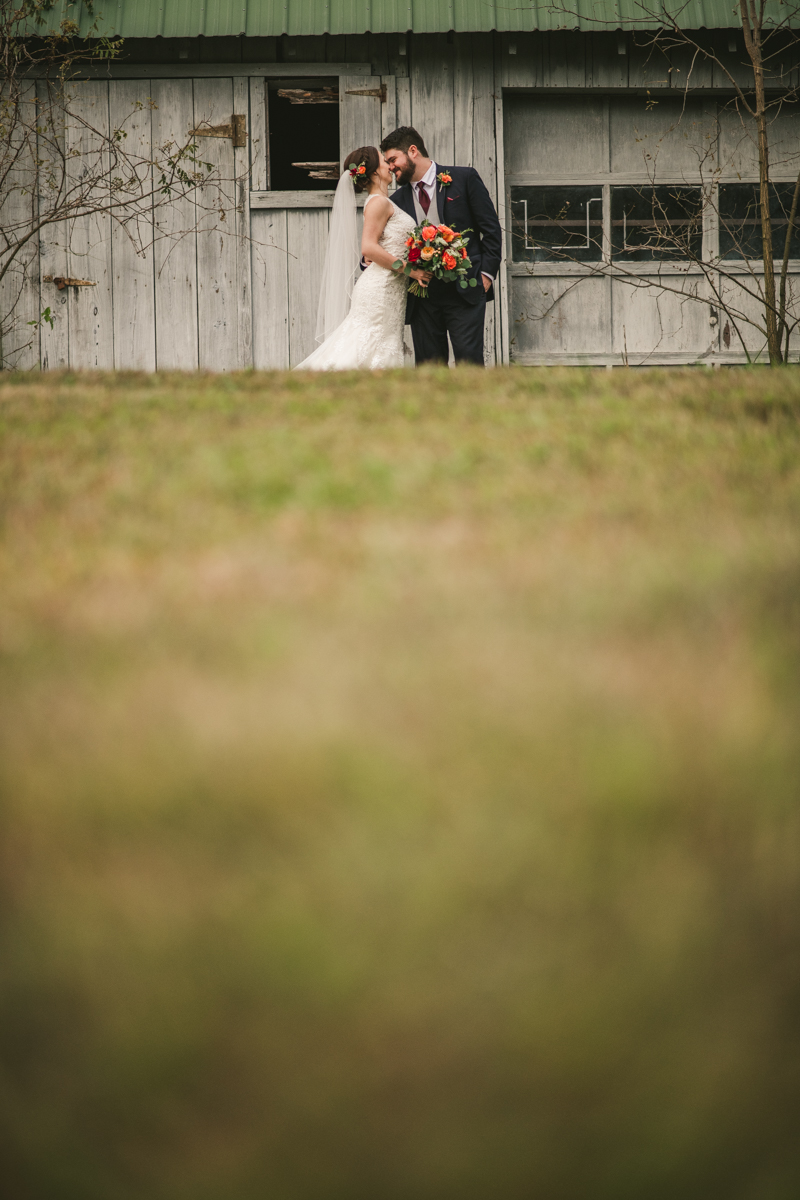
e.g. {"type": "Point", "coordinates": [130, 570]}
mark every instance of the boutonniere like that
{"type": "Point", "coordinates": [444, 179]}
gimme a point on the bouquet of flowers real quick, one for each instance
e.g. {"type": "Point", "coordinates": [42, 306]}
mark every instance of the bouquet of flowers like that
{"type": "Point", "coordinates": [440, 250]}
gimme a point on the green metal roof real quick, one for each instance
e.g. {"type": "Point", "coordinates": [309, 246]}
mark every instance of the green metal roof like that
{"type": "Point", "coordinates": [268, 18]}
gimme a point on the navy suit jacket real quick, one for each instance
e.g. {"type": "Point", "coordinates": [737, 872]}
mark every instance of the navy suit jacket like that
{"type": "Point", "coordinates": [463, 204]}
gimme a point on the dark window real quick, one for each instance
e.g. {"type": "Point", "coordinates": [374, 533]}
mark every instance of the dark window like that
{"type": "Point", "coordinates": [556, 224]}
{"type": "Point", "coordinates": [740, 220]}
{"type": "Point", "coordinates": [306, 132]}
{"type": "Point", "coordinates": [656, 223]}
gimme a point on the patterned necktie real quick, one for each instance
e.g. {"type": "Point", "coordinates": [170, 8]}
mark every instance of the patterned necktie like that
{"type": "Point", "coordinates": [424, 198]}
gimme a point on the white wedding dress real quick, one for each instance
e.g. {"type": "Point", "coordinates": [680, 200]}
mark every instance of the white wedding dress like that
{"type": "Point", "coordinates": [371, 335]}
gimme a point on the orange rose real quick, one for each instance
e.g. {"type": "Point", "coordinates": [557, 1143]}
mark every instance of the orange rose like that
{"type": "Point", "coordinates": [427, 253]}
{"type": "Point", "coordinates": [429, 232]}
{"type": "Point", "coordinates": [448, 260]}
{"type": "Point", "coordinates": [447, 233]}
{"type": "Point", "coordinates": [410, 241]}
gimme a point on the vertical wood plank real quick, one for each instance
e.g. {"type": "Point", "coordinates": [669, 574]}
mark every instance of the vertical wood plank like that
{"type": "Point", "coordinates": [269, 257]}
{"type": "Point", "coordinates": [609, 68]}
{"type": "Point", "coordinates": [307, 238]}
{"type": "Point", "coordinates": [648, 65]}
{"type": "Point", "coordinates": [432, 96]}
{"type": "Point", "coordinates": [564, 60]}
{"type": "Point", "coordinates": [485, 162]}
{"type": "Point", "coordinates": [463, 102]}
{"type": "Point", "coordinates": [217, 290]}
{"type": "Point", "coordinates": [132, 267]}
{"type": "Point", "coordinates": [244, 297]}
{"type": "Point", "coordinates": [389, 109]}
{"type": "Point", "coordinates": [404, 113]}
{"type": "Point", "coordinates": [378, 53]}
{"type": "Point", "coordinates": [19, 289]}
{"type": "Point", "coordinates": [357, 48]}
{"type": "Point", "coordinates": [335, 48]}
{"type": "Point", "coordinates": [359, 116]}
{"type": "Point", "coordinates": [175, 251]}
{"type": "Point", "coordinates": [53, 340]}
{"type": "Point", "coordinates": [91, 340]}
{"type": "Point", "coordinates": [501, 314]}
{"type": "Point", "coordinates": [258, 135]}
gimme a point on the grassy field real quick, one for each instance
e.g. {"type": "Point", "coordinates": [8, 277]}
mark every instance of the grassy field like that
{"type": "Point", "coordinates": [400, 786]}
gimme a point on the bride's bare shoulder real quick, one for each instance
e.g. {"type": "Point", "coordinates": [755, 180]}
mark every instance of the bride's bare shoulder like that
{"type": "Point", "coordinates": [379, 206]}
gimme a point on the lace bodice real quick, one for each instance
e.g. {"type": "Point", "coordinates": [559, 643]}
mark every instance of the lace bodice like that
{"type": "Point", "coordinates": [396, 230]}
{"type": "Point", "coordinates": [371, 337]}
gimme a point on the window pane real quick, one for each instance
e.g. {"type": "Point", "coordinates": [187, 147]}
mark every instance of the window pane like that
{"type": "Point", "coordinates": [556, 224]}
{"type": "Point", "coordinates": [656, 223]}
{"type": "Point", "coordinates": [740, 220]}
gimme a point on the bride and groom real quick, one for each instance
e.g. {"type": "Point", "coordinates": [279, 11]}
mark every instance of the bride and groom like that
{"type": "Point", "coordinates": [362, 311]}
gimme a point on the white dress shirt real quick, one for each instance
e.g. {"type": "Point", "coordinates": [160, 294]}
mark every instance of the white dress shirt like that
{"type": "Point", "coordinates": [429, 183]}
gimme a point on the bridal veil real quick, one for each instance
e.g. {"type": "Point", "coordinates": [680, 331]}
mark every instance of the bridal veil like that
{"type": "Point", "coordinates": [341, 261]}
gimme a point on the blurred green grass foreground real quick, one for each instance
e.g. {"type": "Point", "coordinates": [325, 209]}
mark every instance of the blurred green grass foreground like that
{"type": "Point", "coordinates": [400, 786]}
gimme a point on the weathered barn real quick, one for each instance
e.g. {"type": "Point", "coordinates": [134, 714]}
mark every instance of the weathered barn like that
{"type": "Point", "coordinates": [559, 113]}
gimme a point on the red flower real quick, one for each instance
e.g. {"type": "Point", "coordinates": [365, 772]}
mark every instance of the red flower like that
{"type": "Point", "coordinates": [413, 254]}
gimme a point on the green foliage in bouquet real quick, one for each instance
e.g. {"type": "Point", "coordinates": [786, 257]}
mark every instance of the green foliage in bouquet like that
{"type": "Point", "coordinates": [440, 250]}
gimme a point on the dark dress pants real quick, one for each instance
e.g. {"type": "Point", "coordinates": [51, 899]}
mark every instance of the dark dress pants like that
{"type": "Point", "coordinates": [442, 313]}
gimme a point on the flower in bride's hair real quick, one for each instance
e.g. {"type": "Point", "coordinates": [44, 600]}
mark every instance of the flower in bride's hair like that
{"type": "Point", "coordinates": [428, 252]}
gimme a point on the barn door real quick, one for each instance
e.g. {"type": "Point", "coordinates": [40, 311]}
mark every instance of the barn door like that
{"type": "Point", "coordinates": [361, 100]}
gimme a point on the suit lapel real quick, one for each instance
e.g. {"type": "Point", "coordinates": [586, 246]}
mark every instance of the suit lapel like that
{"type": "Point", "coordinates": [441, 192]}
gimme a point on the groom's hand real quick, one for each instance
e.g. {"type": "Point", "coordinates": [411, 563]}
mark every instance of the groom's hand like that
{"type": "Point", "coordinates": [487, 282]}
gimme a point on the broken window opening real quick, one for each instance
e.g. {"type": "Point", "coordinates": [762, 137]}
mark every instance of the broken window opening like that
{"type": "Point", "coordinates": [303, 134]}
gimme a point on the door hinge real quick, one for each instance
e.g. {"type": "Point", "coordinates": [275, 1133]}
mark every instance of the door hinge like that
{"type": "Point", "coordinates": [64, 281]}
{"type": "Point", "coordinates": [379, 92]}
{"type": "Point", "coordinates": [236, 130]}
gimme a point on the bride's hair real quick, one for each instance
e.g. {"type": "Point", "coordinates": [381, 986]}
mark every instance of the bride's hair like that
{"type": "Point", "coordinates": [369, 156]}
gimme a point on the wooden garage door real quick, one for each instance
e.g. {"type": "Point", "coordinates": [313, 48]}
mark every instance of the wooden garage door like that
{"type": "Point", "coordinates": [612, 203]}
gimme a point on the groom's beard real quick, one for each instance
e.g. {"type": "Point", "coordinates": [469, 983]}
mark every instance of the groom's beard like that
{"type": "Point", "coordinates": [406, 173]}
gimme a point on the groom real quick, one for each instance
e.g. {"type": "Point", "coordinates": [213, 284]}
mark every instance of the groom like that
{"type": "Point", "coordinates": [463, 203]}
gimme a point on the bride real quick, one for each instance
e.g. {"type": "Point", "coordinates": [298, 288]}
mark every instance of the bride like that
{"type": "Point", "coordinates": [360, 320]}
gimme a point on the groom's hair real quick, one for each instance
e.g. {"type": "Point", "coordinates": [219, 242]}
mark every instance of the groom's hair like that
{"type": "Point", "coordinates": [402, 139]}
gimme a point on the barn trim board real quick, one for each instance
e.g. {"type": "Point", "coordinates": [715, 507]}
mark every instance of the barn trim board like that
{"type": "Point", "coordinates": [245, 295]}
